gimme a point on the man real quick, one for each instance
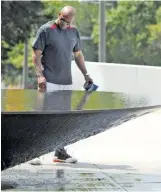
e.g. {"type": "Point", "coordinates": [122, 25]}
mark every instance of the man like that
{"type": "Point", "coordinates": [54, 45]}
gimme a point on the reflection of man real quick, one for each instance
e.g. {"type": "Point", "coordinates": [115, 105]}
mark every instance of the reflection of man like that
{"type": "Point", "coordinates": [53, 47]}
{"type": "Point", "coordinates": [61, 179]}
{"type": "Point", "coordinates": [58, 101]}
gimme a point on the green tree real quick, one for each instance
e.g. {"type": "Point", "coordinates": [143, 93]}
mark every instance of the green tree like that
{"type": "Point", "coordinates": [128, 32]}
{"type": "Point", "coordinates": [13, 65]}
{"type": "Point", "coordinates": [153, 52]}
{"type": "Point", "coordinates": [19, 20]}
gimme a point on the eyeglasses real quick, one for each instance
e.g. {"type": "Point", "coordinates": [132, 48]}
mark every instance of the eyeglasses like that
{"type": "Point", "coordinates": [64, 21]}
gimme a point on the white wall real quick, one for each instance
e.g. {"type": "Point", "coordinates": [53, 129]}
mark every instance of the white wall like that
{"type": "Point", "coordinates": [120, 77]}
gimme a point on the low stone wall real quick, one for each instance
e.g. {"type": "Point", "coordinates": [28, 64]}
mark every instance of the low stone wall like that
{"type": "Point", "coordinates": [120, 77]}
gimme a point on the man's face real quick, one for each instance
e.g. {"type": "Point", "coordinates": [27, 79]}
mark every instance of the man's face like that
{"type": "Point", "coordinates": [64, 21]}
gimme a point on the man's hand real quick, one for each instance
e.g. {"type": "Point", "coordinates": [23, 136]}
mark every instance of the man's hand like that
{"type": "Point", "coordinates": [88, 78]}
{"type": "Point", "coordinates": [41, 84]}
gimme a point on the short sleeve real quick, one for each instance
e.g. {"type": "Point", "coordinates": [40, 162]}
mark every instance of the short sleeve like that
{"type": "Point", "coordinates": [40, 40]}
{"type": "Point", "coordinates": [77, 46]}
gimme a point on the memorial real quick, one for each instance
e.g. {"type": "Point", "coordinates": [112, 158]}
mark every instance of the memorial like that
{"type": "Point", "coordinates": [35, 123]}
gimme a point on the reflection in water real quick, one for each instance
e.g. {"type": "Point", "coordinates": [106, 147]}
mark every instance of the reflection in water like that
{"type": "Point", "coordinates": [32, 100]}
{"type": "Point", "coordinates": [56, 101]}
{"type": "Point", "coordinates": [61, 179]}
{"type": "Point", "coordinates": [77, 179]}
{"type": "Point", "coordinates": [60, 173]}
{"type": "Point", "coordinates": [41, 178]}
{"type": "Point", "coordinates": [83, 101]}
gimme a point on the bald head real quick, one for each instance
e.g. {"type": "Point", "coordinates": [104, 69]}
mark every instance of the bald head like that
{"type": "Point", "coordinates": [69, 11]}
{"type": "Point", "coordinates": [66, 17]}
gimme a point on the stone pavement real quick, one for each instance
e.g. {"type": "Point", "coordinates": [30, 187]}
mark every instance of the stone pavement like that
{"type": "Point", "coordinates": [125, 158]}
{"type": "Point", "coordinates": [80, 177]}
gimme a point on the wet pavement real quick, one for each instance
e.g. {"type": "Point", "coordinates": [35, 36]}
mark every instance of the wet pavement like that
{"type": "Point", "coordinates": [132, 164]}
{"type": "Point", "coordinates": [80, 177]}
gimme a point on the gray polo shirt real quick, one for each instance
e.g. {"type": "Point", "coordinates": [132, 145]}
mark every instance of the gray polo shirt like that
{"type": "Point", "coordinates": [57, 45]}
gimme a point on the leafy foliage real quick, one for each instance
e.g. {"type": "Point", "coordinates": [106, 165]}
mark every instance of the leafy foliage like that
{"type": "Point", "coordinates": [132, 32]}
{"type": "Point", "coordinates": [19, 18]}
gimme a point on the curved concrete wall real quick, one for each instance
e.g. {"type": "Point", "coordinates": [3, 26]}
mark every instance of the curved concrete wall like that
{"type": "Point", "coordinates": [120, 77]}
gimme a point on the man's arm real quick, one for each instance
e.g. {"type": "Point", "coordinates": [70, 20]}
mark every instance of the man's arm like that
{"type": "Point", "coordinates": [38, 47]}
{"type": "Point", "coordinates": [38, 68]}
{"type": "Point", "coordinates": [37, 62]}
{"type": "Point", "coordinates": [79, 59]}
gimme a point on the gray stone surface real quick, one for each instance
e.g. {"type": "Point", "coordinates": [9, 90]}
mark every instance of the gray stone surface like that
{"type": "Point", "coordinates": [80, 177]}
